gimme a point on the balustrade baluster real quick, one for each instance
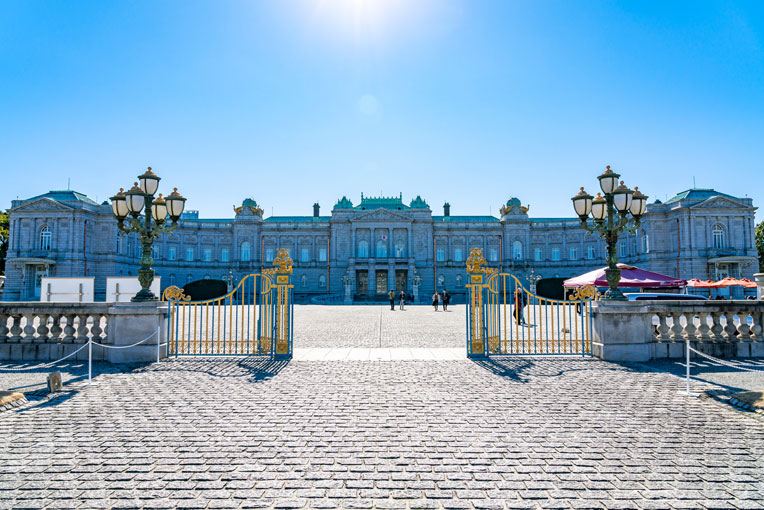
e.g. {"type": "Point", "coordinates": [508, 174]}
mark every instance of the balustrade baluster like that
{"type": "Point", "coordinates": [676, 327]}
{"type": "Point", "coordinates": [15, 329]}
{"type": "Point", "coordinates": [663, 328]}
{"type": "Point", "coordinates": [756, 328]}
{"type": "Point", "coordinates": [4, 330]}
{"type": "Point", "coordinates": [29, 330]}
{"type": "Point", "coordinates": [717, 328]}
{"type": "Point", "coordinates": [743, 329]}
{"type": "Point", "coordinates": [69, 330]}
{"type": "Point", "coordinates": [55, 329]}
{"type": "Point", "coordinates": [704, 329]}
{"type": "Point", "coordinates": [82, 329]}
{"type": "Point", "coordinates": [690, 330]}
{"type": "Point", "coordinates": [730, 328]}
{"type": "Point", "coordinates": [42, 328]}
{"type": "Point", "coordinates": [96, 330]}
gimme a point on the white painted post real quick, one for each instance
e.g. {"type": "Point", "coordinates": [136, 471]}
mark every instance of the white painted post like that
{"type": "Point", "coordinates": [158, 329]}
{"type": "Point", "coordinates": [687, 391]}
{"type": "Point", "coordinates": [90, 361]}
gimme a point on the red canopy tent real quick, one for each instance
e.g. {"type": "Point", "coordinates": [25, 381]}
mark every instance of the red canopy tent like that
{"type": "Point", "coordinates": [631, 276]}
{"type": "Point", "coordinates": [734, 282]}
{"type": "Point", "coordinates": [700, 284]}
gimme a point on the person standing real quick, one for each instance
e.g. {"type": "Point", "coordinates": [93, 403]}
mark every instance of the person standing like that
{"type": "Point", "coordinates": [403, 299]}
{"type": "Point", "coordinates": [435, 298]}
{"type": "Point", "coordinates": [446, 299]}
{"type": "Point", "coordinates": [391, 295]}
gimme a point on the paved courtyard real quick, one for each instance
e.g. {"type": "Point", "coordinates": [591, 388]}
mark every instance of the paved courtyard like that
{"type": "Point", "coordinates": [251, 433]}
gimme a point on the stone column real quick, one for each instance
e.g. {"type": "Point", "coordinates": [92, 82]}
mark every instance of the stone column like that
{"type": "Point", "coordinates": [759, 277]}
{"type": "Point", "coordinates": [622, 331]}
{"type": "Point", "coordinates": [391, 277]}
{"type": "Point", "coordinates": [132, 322]}
{"type": "Point", "coordinates": [372, 282]}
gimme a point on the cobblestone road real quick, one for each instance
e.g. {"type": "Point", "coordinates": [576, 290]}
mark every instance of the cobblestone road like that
{"type": "Point", "coordinates": [376, 326]}
{"type": "Point", "coordinates": [519, 433]}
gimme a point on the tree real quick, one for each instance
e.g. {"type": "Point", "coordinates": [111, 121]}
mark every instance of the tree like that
{"type": "Point", "coordinates": [4, 231]}
{"type": "Point", "coordinates": [760, 244]}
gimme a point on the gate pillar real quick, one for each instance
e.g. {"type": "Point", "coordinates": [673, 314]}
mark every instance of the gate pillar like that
{"type": "Point", "coordinates": [282, 305]}
{"type": "Point", "coordinates": [477, 289]}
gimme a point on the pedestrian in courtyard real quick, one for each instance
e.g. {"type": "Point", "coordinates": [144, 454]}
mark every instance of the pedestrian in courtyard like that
{"type": "Point", "coordinates": [391, 295]}
{"type": "Point", "coordinates": [446, 299]}
{"type": "Point", "coordinates": [435, 299]}
{"type": "Point", "coordinates": [403, 299]}
{"type": "Point", "coordinates": [520, 302]}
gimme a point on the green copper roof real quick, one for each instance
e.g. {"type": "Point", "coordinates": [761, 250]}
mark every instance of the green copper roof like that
{"type": "Point", "coordinates": [343, 203]}
{"type": "Point", "coordinates": [698, 194]}
{"type": "Point", "coordinates": [395, 203]}
{"type": "Point", "coordinates": [486, 219]}
{"type": "Point", "coordinates": [419, 203]}
{"type": "Point", "coordinates": [66, 196]}
{"type": "Point", "coordinates": [301, 219]}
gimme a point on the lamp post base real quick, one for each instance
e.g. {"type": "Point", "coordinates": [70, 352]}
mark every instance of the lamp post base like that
{"type": "Point", "coordinates": [613, 295]}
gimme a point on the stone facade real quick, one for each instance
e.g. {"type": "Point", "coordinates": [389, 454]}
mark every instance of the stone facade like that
{"type": "Point", "coordinates": [380, 244]}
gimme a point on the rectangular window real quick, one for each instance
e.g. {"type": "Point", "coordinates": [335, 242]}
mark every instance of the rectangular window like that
{"type": "Point", "coordinates": [458, 254]}
{"type": "Point", "coordinates": [538, 254]}
{"type": "Point", "coordinates": [622, 249]}
{"type": "Point", "coordinates": [155, 252]}
{"type": "Point", "coordinates": [644, 243]}
{"type": "Point", "coordinates": [493, 255]}
{"type": "Point", "coordinates": [590, 252]}
{"type": "Point", "coordinates": [555, 254]}
{"type": "Point", "coordinates": [269, 254]}
{"type": "Point", "coordinates": [189, 254]}
{"type": "Point", "coordinates": [322, 254]}
{"type": "Point", "coordinates": [224, 257]}
{"type": "Point", "coordinates": [304, 254]}
{"type": "Point", "coordinates": [172, 253]}
{"type": "Point", "coordinates": [207, 255]}
{"type": "Point", "coordinates": [440, 255]}
{"type": "Point", "coordinates": [573, 253]}
{"type": "Point", "coordinates": [633, 246]}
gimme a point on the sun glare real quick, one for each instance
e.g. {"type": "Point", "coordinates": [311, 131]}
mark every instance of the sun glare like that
{"type": "Point", "coordinates": [364, 20]}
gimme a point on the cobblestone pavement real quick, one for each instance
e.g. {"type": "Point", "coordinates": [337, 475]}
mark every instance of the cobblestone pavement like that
{"type": "Point", "coordinates": [249, 433]}
{"type": "Point", "coordinates": [376, 326]}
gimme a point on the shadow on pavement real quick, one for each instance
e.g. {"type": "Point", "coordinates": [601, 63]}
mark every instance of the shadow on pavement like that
{"type": "Point", "coordinates": [255, 368]}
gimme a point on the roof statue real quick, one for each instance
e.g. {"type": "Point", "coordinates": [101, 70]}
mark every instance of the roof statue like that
{"type": "Point", "coordinates": [248, 206]}
{"type": "Point", "coordinates": [344, 203]}
{"type": "Point", "coordinates": [514, 206]}
{"type": "Point", "coordinates": [419, 203]}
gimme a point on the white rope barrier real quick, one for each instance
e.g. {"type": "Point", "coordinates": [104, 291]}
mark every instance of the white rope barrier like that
{"type": "Point", "coordinates": [44, 365]}
{"type": "Point", "coordinates": [713, 359]}
{"type": "Point", "coordinates": [90, 343]}
{"type": "Point", "coordinates": [727, 363]}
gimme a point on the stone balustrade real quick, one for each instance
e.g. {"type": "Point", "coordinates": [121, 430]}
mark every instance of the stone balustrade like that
{"type": "Point", "coordinates": [35, 331]}
{"type": "Point", "coordinates": [643, 330]}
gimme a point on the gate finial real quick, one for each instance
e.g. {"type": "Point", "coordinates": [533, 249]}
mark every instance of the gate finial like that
{"type": "Point", "coordinates": [476, 262]}
{"type": "Point", "coordinates": [283, 263]}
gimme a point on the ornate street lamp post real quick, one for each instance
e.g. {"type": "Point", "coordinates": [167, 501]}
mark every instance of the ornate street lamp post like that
{"type": "Point", "coordinates": [229, 279]}
{"type": "Point", "coordinates": [156, 210]}
{"type": "Point", "coordinates": [347, 281]}
{"type": "Point", "coordinates": [533, 279]}
{"type": "Point", "coordinates": [611, 216]}
{"type": "Point", "coordinates": [416, 281]}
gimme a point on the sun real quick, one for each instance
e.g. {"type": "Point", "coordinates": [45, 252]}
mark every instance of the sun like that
{"type": "Point", "coordinates": [363, 20]}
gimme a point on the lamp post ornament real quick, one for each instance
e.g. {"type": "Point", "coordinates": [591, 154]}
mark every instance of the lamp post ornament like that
{"type": "Point", "coordinates": [611, 216]}
{"type": "Point", "coordinates": [533, 279]}
{"type": "Point", "coordinates": [156, 210]}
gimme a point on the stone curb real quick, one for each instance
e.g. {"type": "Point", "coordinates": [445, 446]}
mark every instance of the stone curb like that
{"type": "Point", "coordinates": [744, 405]}
{"type": "Point", "coordinates": [12, 405]}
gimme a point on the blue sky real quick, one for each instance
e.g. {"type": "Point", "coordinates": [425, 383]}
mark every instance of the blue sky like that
{"type": "Point", "coordinates": [293, 102]}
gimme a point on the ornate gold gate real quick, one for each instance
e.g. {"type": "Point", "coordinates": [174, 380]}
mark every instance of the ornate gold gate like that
{"type": "Point", "coordinates": [503, 317]}
{"type": "Point", "coordinates": [254, 319]}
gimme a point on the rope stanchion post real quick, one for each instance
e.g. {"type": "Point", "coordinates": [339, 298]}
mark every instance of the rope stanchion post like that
{"type": "Point", "coordinates": [158, 343]}
{"type": "Point", "coordinates": [687, 391]}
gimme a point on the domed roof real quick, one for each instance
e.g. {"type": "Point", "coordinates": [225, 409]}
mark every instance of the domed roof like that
{"type": "Point", "coordinates": [249, 202]}
{"type": "Point", "coordinates": [513, 201]}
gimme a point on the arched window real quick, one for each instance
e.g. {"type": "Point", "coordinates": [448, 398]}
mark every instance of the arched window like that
{"type": "Point", "coordinates": [322, 281]}
{"type": "Point", "coordinates": [45, 236]}
{"type": "Point", "coordinates": [517, 250]}
{"type": "Point", "coordinates": [645, 243]}
{"type": "Point", "coordinates": [363, 249]}
{"type": "Point", "coordinates": [246, 255]}
{"type": "Point", "coordinates": [304, 281]}
{"type": "Point", "coordinates": [459, 280]}
{"type": "Point", "coordinates": [720, 240]}
{"type": "Point", "coordinates": [381, 249]}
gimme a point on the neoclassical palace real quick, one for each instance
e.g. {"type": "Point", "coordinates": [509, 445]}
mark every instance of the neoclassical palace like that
{"type": "Point", "coordinates": [374, 245]}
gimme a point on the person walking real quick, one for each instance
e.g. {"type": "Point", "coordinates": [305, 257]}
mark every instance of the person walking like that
{"type": "Point", "coordinates": [446, 299]}
{"type": "Point", "coordinates": [435, 298]}
{"type": "Point", "coordinates": [520, 301]}
{"type": "Point", "coordinates": [391, 295]}
{"type": "Point", "coordinates": [403, 299]}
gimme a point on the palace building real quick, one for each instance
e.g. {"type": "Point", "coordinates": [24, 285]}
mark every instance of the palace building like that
{"type": "Point", "coordinates": [378, 244]}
